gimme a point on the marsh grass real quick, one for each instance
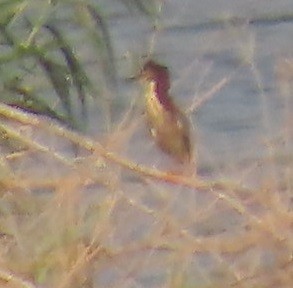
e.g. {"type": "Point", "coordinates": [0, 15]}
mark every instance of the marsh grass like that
{"type": "Point", "coordinates": [79, 212]}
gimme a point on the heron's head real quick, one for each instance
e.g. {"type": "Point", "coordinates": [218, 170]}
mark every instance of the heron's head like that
{"type": "Point", "coordinates": [153, 72]}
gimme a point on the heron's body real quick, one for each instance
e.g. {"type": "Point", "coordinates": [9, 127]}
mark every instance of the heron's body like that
{"type": "Point", "coordinates": [168, 125]}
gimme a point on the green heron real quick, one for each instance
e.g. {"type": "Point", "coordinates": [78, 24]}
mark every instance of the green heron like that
{"type": "Point", "coordinates": [168, 125]}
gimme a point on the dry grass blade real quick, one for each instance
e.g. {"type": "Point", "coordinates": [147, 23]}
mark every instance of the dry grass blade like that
{"type": "Point", "coordinates": [16, 281]}
{"type": "Point", "coordinates": [197, 104]}
{"type": "Point", "coordinates": [95, 147]}
{"type": "Point", "coordinates": [33, 145]}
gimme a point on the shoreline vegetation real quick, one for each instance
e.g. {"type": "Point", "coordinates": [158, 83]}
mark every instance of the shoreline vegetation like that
{"type": "Point", "coordinates": [78, 210]}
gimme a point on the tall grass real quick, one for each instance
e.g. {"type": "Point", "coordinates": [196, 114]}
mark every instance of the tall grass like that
{"type": "Point", "coordinates": [75, 212]}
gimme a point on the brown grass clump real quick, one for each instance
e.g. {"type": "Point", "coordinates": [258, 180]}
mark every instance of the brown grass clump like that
{"type": "Point", "coordinates": [94, 211]}
{"type": "Point", "coordinates": [101, 220]}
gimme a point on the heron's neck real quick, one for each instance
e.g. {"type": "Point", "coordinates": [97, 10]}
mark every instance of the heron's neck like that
{"type": "Point", "coordinates": [160, 92]}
